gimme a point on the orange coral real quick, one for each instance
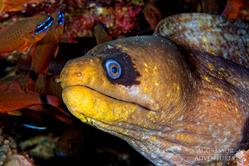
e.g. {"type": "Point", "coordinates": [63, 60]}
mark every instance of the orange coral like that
{"type": "Point", "coordinates": [15, 5]}
{"type": "Point", "coordinates": [233, 8]}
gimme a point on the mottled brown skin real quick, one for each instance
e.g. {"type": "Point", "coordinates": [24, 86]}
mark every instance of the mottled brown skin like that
{"type": "Point", "coordinates": [210, 33]}
{"type": "Point", "coordinates": [184, 107]}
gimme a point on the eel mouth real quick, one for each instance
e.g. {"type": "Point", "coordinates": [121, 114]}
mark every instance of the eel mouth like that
{"type": "Point", "coordinates": [105, 112]}
{"type": "Point", "coordinates": [85, 102]}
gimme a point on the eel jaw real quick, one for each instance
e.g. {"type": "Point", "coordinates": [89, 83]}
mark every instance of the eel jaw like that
{"type": "Point", "coordinates": [86, 103]}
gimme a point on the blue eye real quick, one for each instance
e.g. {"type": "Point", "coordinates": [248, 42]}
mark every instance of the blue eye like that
{"type": "Point", "coordinates": [113, 69]}
{"type": "Point", "coordinates": [44, 25]}
{"type": "Point", "coordinates": [61, 18]}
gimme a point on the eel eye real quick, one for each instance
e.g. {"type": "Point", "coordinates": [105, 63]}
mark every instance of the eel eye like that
{"type": "Point", "coordinates": [44, 25]}
{"type": "Point", "coordinates": [113, 69]}
{"type": "Point", "coordinates": [61, 18]}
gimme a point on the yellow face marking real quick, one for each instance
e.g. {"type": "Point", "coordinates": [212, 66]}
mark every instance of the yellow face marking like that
{"type": "Point", "coordinates": [81, 100]}
{"type": "Point", "coordinates": [206, 78]}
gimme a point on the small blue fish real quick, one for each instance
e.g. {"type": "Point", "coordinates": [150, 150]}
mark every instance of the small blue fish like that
{"type": "Point", "coordinates": [44, 25]}
{"type": "Point", "coordinates": [34, 127]}
{"type": "Point", "coordinates": [61, 18]}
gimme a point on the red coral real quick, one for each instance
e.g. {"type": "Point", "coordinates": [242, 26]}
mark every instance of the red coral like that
{"type": "Point", "coordinates": [125, 17]}
{"type": "Point", "coordinates": [78, 26]}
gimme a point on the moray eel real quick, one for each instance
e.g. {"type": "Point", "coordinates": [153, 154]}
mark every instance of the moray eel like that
{"type": "Point", "coordinates": [176, 103]}
{"type": "Point", "coordinates": [22, 34]}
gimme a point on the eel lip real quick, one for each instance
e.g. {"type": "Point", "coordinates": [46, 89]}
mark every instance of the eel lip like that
{"type": "Point", "coordinates": [83, 101]}
{"type": "Point", "coordinates": [68, 87]}
{"type": "Point", "coordinates": [65, 86]}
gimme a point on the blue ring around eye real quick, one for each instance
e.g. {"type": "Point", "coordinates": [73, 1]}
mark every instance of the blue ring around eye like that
{"type": "Point", "coordinates": [113, 69]}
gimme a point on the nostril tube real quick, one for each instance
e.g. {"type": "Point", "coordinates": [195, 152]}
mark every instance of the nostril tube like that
{"type": "Point", "coordinates": [79, 74]}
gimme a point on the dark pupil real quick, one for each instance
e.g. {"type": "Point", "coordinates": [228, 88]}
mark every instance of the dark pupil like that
{"type": "Point", "coordinates": [114, 69]}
